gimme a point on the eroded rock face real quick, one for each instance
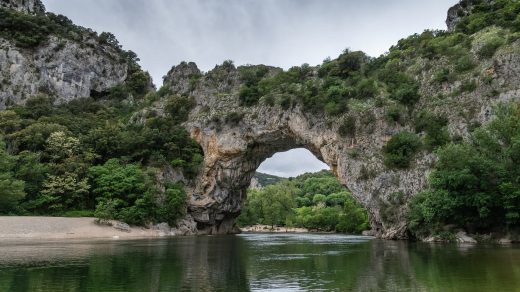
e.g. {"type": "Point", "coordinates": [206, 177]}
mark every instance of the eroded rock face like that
{"type": "Point", "coordinates": [28, 6]}
{"type": "Point", "coordinates": [61, 67]}
{"type": "Point", "coordinates": [235, 147]}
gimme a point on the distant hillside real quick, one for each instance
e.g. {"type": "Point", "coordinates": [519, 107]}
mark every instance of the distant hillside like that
{"type": "Point", "coordinates": [264, 179]}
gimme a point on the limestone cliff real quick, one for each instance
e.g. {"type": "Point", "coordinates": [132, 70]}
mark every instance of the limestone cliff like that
{"type": "Point", "coordinates": [237, 138]}
{"type": "Point", "coordinates": [54, 57]}
{"type": "Point", "coordinates": [28, 6]}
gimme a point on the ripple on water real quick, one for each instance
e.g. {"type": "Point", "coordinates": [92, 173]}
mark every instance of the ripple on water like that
{"type": "Point", "coordinates": [314, 238]}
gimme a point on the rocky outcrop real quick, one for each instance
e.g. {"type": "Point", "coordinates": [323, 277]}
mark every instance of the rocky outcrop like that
{"type": "Point", "coordinates": [234, 148]}
{"type": "Point", "coordinates": [62, 68]}
{"type": "Point", "coordinates": [67, 65]}
{"type": "Point", "coordinates": [27, 6]}
{"type": "Point", "coordinates": [459, 10]}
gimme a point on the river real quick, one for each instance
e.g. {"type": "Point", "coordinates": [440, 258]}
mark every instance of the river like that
{"type": "Point", "coordinates": [257, 262]}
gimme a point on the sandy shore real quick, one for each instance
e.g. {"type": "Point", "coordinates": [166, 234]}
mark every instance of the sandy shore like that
{"type": "Point", "coordinates": [17, 227]}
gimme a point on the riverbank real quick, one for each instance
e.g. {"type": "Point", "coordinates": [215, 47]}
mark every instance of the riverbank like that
{"type": "Point", "coordinates": [259, 228]}
{"type": "Point", "coordinates": [40, 228]}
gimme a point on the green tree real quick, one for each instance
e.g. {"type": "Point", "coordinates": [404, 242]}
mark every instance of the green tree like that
{"type": "Point", "coordinates": [11, 189]}
{"type": "Point", "coordinates": [400, 150]}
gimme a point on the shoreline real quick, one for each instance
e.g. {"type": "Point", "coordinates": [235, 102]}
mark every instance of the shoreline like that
{"type": "Point", "coordinates": [259, 228]}
{"type": "Point", "coordinates": [52, 228]}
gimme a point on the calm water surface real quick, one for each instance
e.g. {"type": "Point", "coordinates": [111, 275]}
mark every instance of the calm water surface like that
{"type": "Point", "coordinates": [257, 262]}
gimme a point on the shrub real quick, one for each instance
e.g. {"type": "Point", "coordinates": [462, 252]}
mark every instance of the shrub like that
{"type": "Point", "coordinates": [401, 149]}
{"type": "Point", "coordinates": [248, 95]}
{"type": "Point", "coordinates": [178, 107]}
{"type": "Point", "coordinates": [444, 75]}
{"type": "Point", "coordinates": [234, 118]}
{"type": "Point", "coordinates": [406, 93]}
{"type": "Point", "coordinates": [435, 128]}
{"type": "Point", "coordinates": [489, 48]}
{"type": "Point", "coordinates": [393, 114]}
{"type": "Point", "coordinates": [464, 64]}
{"type": "Point", "coordinates": [285, 101]}
{"type": "Point", "coordinates": [348, 127]}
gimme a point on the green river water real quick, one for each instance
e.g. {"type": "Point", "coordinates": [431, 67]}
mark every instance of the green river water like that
{"type": "Point", "coordinates": [257, 262]}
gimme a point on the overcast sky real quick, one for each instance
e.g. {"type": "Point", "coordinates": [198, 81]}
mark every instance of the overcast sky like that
{"type": "Point", "coordinates": [281, 33]}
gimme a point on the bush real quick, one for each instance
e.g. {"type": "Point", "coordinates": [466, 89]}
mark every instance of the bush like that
{"type": "Point", "coordinates": [406, 93]}
{"type": "Point", "coordinates": [234, 118]}
{"type": "Point", "coordinates": [435, 127]}
{"type": "Point", "coordinates": [464, 63]}
{"type": "Point", "coordinates": [178, 108]}
{"type": "Point", "coordinates": [248, 95]}
{"type": "Point", "coordinates": [401, 149]}
{"type": "Point", "coordinates": [489, 48]}
{"type": "Point", "coordinates": [393, 114]}
{"type": "Point", "coordinates": [348, 127]}
{"type": "Point", "coordinates": [444, 75]}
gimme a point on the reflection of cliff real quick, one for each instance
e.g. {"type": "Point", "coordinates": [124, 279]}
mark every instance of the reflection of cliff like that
{"type": "Point", "coordinates": [212, 264]}
{"type": "Point", "coordinates": [390, 268]}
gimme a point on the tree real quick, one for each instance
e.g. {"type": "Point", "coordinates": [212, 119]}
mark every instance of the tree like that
{"type": "Point", "coordinates": [401, 149]}
{"type": "Point", "coordinates": [11, 189]}
{"type": "Point", "coordinates": [63, 192]}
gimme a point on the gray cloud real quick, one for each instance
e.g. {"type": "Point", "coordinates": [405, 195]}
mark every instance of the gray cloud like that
{"type": "Point", "coordinates": [282, 33]}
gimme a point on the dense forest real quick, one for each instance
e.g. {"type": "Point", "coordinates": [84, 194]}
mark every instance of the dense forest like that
{"type": "Point", "coordinates": [316, 201]}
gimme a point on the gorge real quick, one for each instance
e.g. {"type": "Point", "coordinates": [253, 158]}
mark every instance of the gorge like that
{"type": "Point", "coordinates": [345, 111]}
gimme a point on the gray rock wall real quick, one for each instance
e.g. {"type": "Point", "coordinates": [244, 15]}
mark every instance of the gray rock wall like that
{"type": "Point", "coordinates": [60, 67]}
{"type": "Point", "coordinates": [28, 6]}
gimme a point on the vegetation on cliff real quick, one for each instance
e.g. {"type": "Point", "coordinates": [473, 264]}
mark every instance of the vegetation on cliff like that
{"type": "Point", "coordinates": [315, 201]}
{"type": "Point", "coordinates": [475, 185]}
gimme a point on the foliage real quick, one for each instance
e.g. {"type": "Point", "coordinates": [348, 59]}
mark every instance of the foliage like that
{"type": "Point", "coordinates": [348, 127]}
{"type": "Point", "coordinates": [126, 193]}
{"type": "Point", "coordinates": [179, 107]}
{"type": "Point", "coordinates": [401, 149]}
{"type": "Point", "coordinates": [316, 201]}
{"type": "Point", "coordinates": [474, 185]}
{"type": "Point", "coordinates": [11, 189]}
{"type": "Point", "coordinates": [435, 128]}
{"type": "Point", "coordinates": [503, 13]}
{"type": "Point", "coordinates": [54, 148]}
{"type": "Point", "coordinates": [489, 48]}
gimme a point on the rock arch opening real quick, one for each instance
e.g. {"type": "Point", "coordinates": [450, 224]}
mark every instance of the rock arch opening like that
{"type": "Point", "coordinates": [293, 191]}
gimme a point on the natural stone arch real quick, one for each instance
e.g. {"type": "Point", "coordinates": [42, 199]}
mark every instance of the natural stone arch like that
{"type": "Point", "coordinates": [237, 139]}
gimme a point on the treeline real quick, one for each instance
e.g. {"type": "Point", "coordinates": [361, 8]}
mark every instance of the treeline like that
{"type": "Point", "coordinates": [314, 201]}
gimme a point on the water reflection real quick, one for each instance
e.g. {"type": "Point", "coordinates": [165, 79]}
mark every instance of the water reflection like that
{"type": "Point", "coordinates": [257, 262]}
